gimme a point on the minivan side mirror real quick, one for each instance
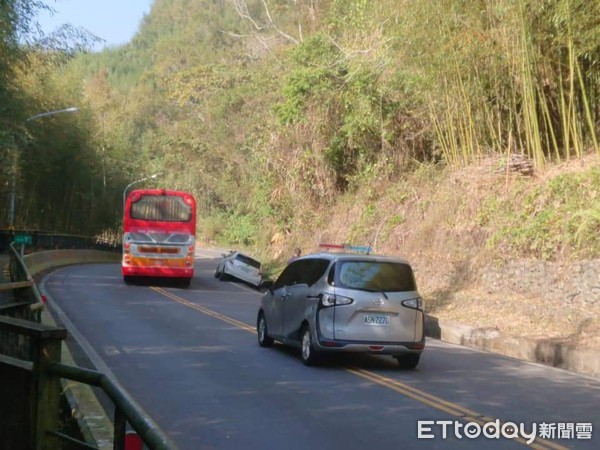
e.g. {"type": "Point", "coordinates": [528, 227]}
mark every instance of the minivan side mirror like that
{"type": "Point", "coordinates": [266, 285]}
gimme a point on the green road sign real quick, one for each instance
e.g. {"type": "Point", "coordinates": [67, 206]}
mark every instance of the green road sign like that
{"type": "Point", "coordinates": [23, 239]}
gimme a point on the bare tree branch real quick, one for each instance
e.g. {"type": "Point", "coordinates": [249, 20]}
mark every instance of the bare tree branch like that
{"type": "Point", "coordinates": [242, 36]}
{"type": "Point", "coordinates": [272, 24]}
{"type": "Point", "coordinates": [241, 8]}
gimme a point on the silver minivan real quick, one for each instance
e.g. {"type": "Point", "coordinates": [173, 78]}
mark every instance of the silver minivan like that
{"type": "Point", "coordinates": [345, 302]}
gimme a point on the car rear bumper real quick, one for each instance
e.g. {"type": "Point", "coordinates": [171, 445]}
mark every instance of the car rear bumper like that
{"type": "Point", "coordinates": [382, 348]}
{"type": "Point", "coordinates": [169, 272]}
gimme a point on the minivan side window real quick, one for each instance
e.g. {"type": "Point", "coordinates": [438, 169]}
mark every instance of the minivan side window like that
{"type": "Point", "coordinates": [288, 276]}
{"type": "Point", "coordinates": [303, 271]}
{"type": "Point", "coordinates": [315, 270]}
{"type": "Point", "coordinates": [309, 271]}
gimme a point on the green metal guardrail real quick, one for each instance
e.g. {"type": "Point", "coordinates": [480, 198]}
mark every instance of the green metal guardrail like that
{"type": "Point", "coordinates": [24, 288]}
{"type": "Point", "coordinates": [126, 410]}
{"type": "Point", "coordinates": [37, 350]}
{"type": "Point", "coordinates": [37, 240]}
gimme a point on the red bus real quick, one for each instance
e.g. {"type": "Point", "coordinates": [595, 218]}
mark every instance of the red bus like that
{"type": "Point", "coordinates": [159, 235]}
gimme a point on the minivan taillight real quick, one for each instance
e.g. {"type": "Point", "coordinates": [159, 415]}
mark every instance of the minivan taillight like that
{"type": "Point", "coordinates": [414, 303]}
{"type": "Point", "coordinates": [335, 300]}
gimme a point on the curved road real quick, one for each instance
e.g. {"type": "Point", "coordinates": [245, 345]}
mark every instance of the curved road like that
{"type": "Point", "coordinates": [190, 358]}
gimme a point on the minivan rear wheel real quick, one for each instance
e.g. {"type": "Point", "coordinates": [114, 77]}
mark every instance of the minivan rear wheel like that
{"type": "Point", "coordinates": [409, 361]}
{"type": "Point", "coordinates": [307, 351]}
{"type": "Point", "coordinates": [261, 330]}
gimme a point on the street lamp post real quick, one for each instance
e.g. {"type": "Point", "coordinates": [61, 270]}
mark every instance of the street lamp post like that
{"type": "Point", "coordinates": [51, 113]}
{"type": "Point", "coordinates": [151, 177]}
{"type": "Point", "coordinates": [13, 184]}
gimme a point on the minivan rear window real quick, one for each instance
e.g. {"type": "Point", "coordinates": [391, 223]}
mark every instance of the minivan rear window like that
{"type": "Point", "coordinates": [375, 276]}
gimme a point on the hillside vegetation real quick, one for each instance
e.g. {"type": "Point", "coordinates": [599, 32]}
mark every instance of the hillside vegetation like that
{"type": "Point", "coordinates": [457, 133]}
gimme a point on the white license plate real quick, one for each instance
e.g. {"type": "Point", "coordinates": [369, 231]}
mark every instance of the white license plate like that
{"type": "Point", "coordinates": [382, 321]}
{"type": "Point", "coordinates": [160, 262]}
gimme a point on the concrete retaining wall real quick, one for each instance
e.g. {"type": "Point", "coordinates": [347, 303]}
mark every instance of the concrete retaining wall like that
{"type": "Point", "coordinates": [41, 261]}
{"type": "Point", "coordinates": [544, 351]}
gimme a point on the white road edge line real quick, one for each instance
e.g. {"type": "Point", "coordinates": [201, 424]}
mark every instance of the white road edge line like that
{"type": "Point", "coordinates": [82, 341]}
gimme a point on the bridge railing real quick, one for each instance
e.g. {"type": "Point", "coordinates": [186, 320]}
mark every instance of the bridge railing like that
{"type": "Point", "coordinates": [44, 369]}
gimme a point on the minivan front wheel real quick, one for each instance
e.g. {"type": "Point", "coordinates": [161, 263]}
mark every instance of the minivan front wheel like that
{"type": "Point", "coordinates": [308, 354]}
{"type": "Point", "coordinates": [264, 340]}
{"type": "Point", "coordinates": [409, 361]}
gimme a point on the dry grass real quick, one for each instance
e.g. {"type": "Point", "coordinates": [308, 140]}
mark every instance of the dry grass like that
{"type": "Point", "coordinates": [517, 315]}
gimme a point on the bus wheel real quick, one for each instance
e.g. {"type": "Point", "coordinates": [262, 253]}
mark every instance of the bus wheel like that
{"type": "Point", "coordinates": [185, 282]}
{"type": "Point", "coordinates": [128, 279]}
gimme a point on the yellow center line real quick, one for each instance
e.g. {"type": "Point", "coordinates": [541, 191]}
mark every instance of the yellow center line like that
{"type": "Point", "coordinates": [444, 405]}
{"type": "Point", "coordinates": [204, 310]}
{"type": "Point", "coordinates": [395, 385]}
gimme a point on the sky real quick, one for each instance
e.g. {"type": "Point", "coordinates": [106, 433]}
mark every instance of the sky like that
{"type": "Point", "coordinates": [115, 21]}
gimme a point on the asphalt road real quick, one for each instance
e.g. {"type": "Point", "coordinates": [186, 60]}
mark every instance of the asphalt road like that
{"type": "Point", "coordinates": [190, 358]}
